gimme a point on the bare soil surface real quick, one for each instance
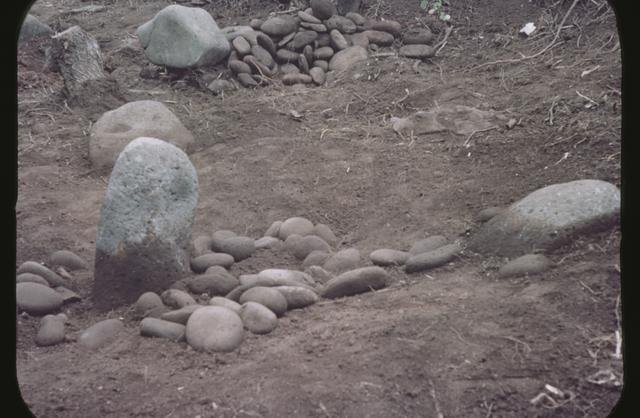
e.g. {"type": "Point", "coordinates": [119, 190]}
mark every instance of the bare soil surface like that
{"type": "Point", "coordinates": [455, 341]}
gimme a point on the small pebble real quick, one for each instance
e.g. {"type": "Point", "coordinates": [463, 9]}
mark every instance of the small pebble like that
{"type": "Point", "coordinates": [101, 333]}
{"type": "Point", "coordinates": [525, 265]}
{"type": "Point", "coordinates": [69, 260]}
{"type": "Point", "coordinates": [51, 330]}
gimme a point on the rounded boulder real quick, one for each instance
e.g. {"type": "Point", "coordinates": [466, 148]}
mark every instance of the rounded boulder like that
{"type": "Point", "coordinates": [214, 328]}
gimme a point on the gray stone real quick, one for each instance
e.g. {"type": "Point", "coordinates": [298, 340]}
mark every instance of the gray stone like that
{"type": "Point", "coordinates": [343, 260]}
{"type": "Point", "coordinates": [485, 214]}
{"type": "Point", "coordinates": [266, 42]}
{"type": "Point", "coordinates": [147, 302]}
{"type": "Point", "coordinates": [42, 271]}
{"type": "Point", "coordinates": [101, 333]}
{"type": "Point", "coordinates": [214, 328]}
{"type": "Point", "coordinates": [360, 39]}
{"type": "Point", "coordinates": [257, 318]}
{"type": "Point", "coordinates": [51, 330]}
{"type": "Point", "coordinates": [266, 296]}
{"type": "Point", "coordinates": [289, 69]}
{"type": "Point", "coordinates": [431, 259]}
{"type": "Point", "coordinates": [246, 80]}
{"type": "Point", "coordinates": [379, 38]}
{"type": "Point", "coordinates": [347, 58]}
{"type": "Point", "coordinates": [549, 217]}
{"type": "Point", "coordinates": [31, 278]}
{"type": "Point", "coordinates": [417, 51]}
{"type": "Point", "coordinates": [145, 223]}
{"type": "Point", "coordinates": [308, 54]}
{"type": "Point", "coordinates": [177, 299]}
{"type": "Point", "coordinates": [267, 242]}
{"type": "Point", "coordinates": [183, 37]}
{"type": "Point", "coordinates": [304, 66]}
{"type": "Point", "coordinates": [389, 26]}
{"type": "Point", "coordinates": [200, 246]}
{"type": "Point", "coordinates": [297, 297]}
{"type": "Point", "coordinates": [238, 247]}
{"type": "Point", "coordinates": [286, 39]}
{"type": "Point", "coordinates": [417, 36]}
{"type": "Point", "coordinates": [219, 283]}
{"type": "Point", "coordinates": [273, 229]}
{"type": "Point", "coordinates": [525, 265]}
{"type": "Point", "coordinates": [319, 274]}
{"type": "Point", "coordinates": [68, 296]}
{"type": "Point", "coordinates": [306, 17]}
{"type": "Point", "coordinates": [37, 299]}
{"type": "Point", "coordinates": [323, 53]}
{"type": "Point", "coordinates": [356, 18]}
{"type": "Point", "coordinates": [323, 40]}
{"type": "Point", "coordinates": [257, 67]}
{"type": "Point", "coordinates": [302, 39]}
{"type": "Point", "coordinates": [180, 316]}
{"type": "Point", "coordinates": [256, 23]}
{"type": "Point", "coordinates": [428, 244]}
{"type": "Point", "coordinates": [145, 118]}
{"type": "Point", "coordinates": [227, 303]}
{"type": "Point", "coordinates": [279, 26]}
{"type": "Point", "coordinates": [286, 276]}
{"type": "Point", "coordinates": [388, 257]}
{"type": "Point", "coordinates": [337, 40]}
{"type": "Point", "coordinates": [315, 258]}
{"type": "Point", "coordinates": [354, 282]}
{"type": "Point", "coordinates": [69, 260]}
{"type": "Point", "coordinates": [321, 64]}
{"type": "Point", "coordinates": [316, 27]}
{"type": "Point", "coordinates": [323, 9]}
{"type": "Point", "coordinates": [285, 56]}
{"type": "Point", "coordinates": [202, 263]}
{"type": "Point", "coordinates": [295, 225]}
{"type": "Point", "coordinates": [239, 67]}
{"type": "Point", "coordinates": [241, 45]}
{"type": "Point", "coordinates": [247, 32]}
{"type": "Point", "coordinates": [32, 28]}
{"type": "Point", "coordinates": [263, 56]}
{"type": "Point", "coordinates": [153, 327]}
{"type": "Point", "coordinates": [340, 23]}
{"type": "Point", "coordinates": [303, 246]}
{"type": "Point", "coordinates": [221, 235]}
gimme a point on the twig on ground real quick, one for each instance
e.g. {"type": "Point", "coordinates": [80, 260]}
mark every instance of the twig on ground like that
{"type": "Point", "coordinates": [586, 98]}
{"type": "Point", "coordinates": [542, 51]}
{"type": "Point", "coordinates": [553, 104]}
{"type": "Point", "coordinates": [432, 391]}
{"type": "Point", "coordinates": [618, 353]}
{"type": "Point", "coordinates": [466, 143]}
{"type": "Point", "coordinates": [442, 43]}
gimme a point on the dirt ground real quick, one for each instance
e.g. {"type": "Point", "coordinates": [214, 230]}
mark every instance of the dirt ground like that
{"type": "Point", "coordinates": [452, 342]}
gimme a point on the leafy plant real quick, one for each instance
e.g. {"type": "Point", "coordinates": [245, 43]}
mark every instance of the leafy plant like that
{"type": "Point", "coordinates": [435, 7]}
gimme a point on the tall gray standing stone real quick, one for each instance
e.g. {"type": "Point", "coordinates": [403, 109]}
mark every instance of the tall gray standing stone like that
{"type": "Point", "coordinates": [183, 37]}
{"type": "Point", "coordinates": [549, 217]}
{"type": "Point", "coordinates": [145, 223]}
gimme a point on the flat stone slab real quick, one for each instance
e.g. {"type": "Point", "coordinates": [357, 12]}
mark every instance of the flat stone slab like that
{"type": "Point", "coordinates": [548, 218]}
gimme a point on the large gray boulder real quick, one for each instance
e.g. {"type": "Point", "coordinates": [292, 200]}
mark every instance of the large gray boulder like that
{"type": "Point", "coordinates": [183, 37]}
{"type": "Point", "coordinates": [145, 223]}
{"type": "Point", "coordinates": [116, 128]}
{"type": "Point", "coordinates": [549, 217]}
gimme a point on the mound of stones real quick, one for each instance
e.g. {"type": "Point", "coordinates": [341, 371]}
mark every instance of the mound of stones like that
{"type": "Point", "coordinates": [299, 48]}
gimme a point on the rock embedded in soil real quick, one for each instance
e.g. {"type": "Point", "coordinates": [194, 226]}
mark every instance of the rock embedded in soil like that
{"type": "Point", "coordinates": [273, 229]}
{"type": "Point", "coordinates": [428, 244]}
{"type": "Point", "coordinates": [51, 330]}
{"type": "Point", "coordinates": [417, 36]}
{"type": "Point", "coordinates": [246, 80]}
{"type": "Point", "coordinates": [315, 258]}
{"type": "Point", "coordinates": [145, 223]}
{"type": "Point", "coordinates": [116, 128]}
{"type": "Point", "coordinates": [101, 333]}
{"type": "Point", "coordinates": [322, 64]}
{"type": "Point", "coordinates": [431, 259]}
{"type": "Point", "coordinates": [68, 296]}
{"type": "Point", "coordinates": [220, 86]}
{"type": "Point", "coordinates": [177, 299]}
{"type": "Point", "coordinates": [267, 242]}
{"type": "Point", "coordinates": [153, 327]}
{"type": "Point", "coordinates": [389, 257]}
{"type": "Point", "coordinates": [266, 296]}
{"type": "Point", "coordinates": [214, 328]}
{"type": "Point", "coordinates": [32, 27]}
{"type": "Point", "coordinates": [340, 23]}
{"type": "Point", "coordinates": [238, 247]}
{"type": "Point", "coordinates": [241, 46]}
{"type": "Point", "coordinates": [202, 263]}
{"type": "Point", "coordinates": [323, 9]}
{"type": "Point", "coordinates": [360, 39]}
{"type": "Point", "coordinates": [180, 316]}
{"type": "Point", "coordinates": [147, 302]}
{"type": "Point", "coordinates": [183, 37]}
{"type": "Point", "coordinates": [525, 265]}
{"type": "Point", "coordinates": [338, 41]}
{"type": "Point", "coordinates": [549, 217]}
{"type": "Point", "coordinates": [356, 18]}
{"type": "Point", "coordinates": [378, 37]}
{"type": "Point", "coordinates": [417, 51]}
{"type": "Point", "coordinates": [37, 299]}
{"type": "Point", "coordinates": [485, 214]}
{"type": "Point", "coordinates": [389, 26]}
{"type": "Point", "coordinates": [287, 275]}
{"type": "Point", "coordinates": [354, 282]}
{"type": "Point", "coordinates": [42, 271]}
{"type": "Point", "coordinates": [347, 58]}
{"type": "Point", "coordinates": [319, 274]}
{"type": "Point", "coordinates": [302, 247]}
{"type": "Point", "coordinates": [343, 260]}
{"type": "Point", "coordinates": [295, 225]}
{"type": "Point", "coordinates": [213, 283]}
{"type": "Point", "coordinates": [227, 303]}
{"type": "Point", "coordinates": [297, 297]}
{"type": "Point", "coordinates": [256, 23]}
{"type": "Point", "coordinates": [69, 260]}
{"type": "Point", "coordinates": [324, 232]}
{"type": "Point", "coordinates": [257, 318]}
{"type": "Point", "coordinates": [279, 26]}
{"type": "Point", "coordinates": [31, 278]}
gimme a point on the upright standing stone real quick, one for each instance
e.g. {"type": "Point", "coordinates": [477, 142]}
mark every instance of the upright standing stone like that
{"type": "Point", "coordinates": [145, 223]}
